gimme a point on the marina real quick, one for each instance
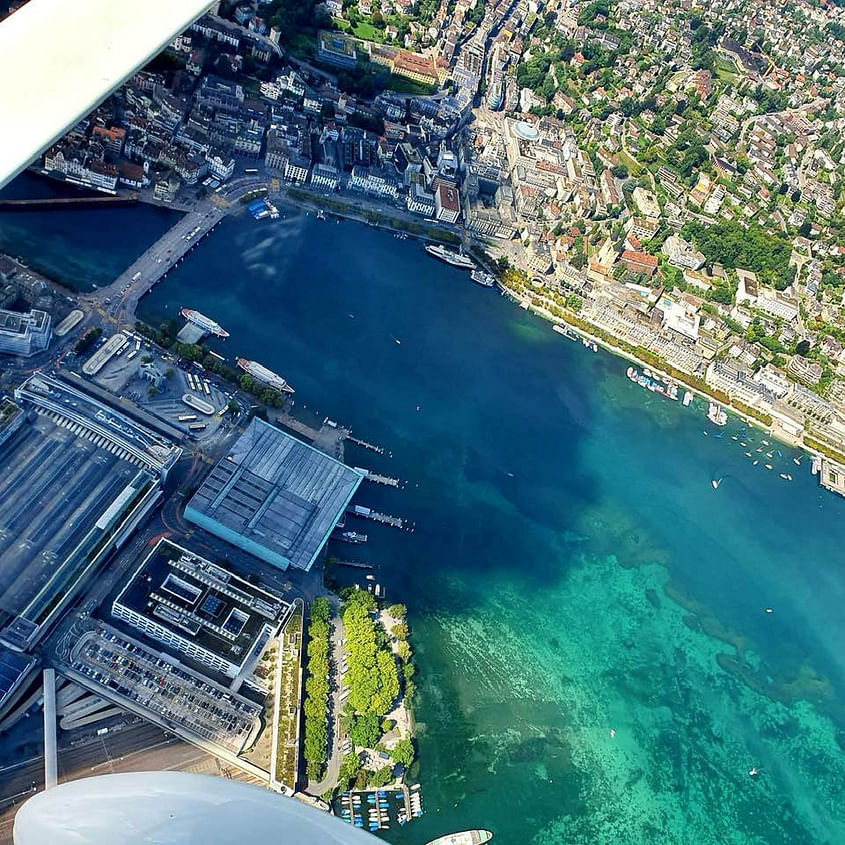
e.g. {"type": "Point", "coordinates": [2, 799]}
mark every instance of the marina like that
{"type": "Point", "coordinates": [378, 809]}
{"type": "Point", "coordinates": [654, 383]}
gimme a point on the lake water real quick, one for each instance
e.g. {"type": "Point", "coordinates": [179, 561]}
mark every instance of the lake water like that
{"type": "Point", "coordinates": [84, 248]}
{"type": "Point", "coordinates": [573, 572]}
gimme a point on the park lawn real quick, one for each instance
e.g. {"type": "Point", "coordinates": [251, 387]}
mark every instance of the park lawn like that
{"type": "Point", "coordinates": [726, 70]}
{"type": "Point", "coordinates": [634, 167]}
{"type": "Point", "coordinates": [368, 32]}
{"type": "Point", "coordinates": [403, 85]}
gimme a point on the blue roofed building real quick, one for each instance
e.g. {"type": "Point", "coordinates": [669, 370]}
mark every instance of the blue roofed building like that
{"type": "Point", "coordinates": [274, 497]}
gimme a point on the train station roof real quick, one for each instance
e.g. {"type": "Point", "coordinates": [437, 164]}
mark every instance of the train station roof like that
{"type": "Point", "coordinates": [274, 497]}
{"type": "Point", "coordinates": [60, 60]}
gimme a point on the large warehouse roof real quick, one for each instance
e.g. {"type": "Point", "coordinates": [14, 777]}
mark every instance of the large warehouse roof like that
{"type": "Point", "coordinates": [59, 60]}
{"type": "Point", "coordinates": [274, 497]}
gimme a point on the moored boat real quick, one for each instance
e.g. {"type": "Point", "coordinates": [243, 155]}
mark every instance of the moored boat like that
{"type": "Point", "coordinates": [456, 259]}
{"type": "Point", "coordinates": [486, 280]}
{"type": "Point", "coordinates": [353, 537]}
{"type": "Point", "coordinates": [265, 376]}
{"type": "Point", "coordinates": [464, 837]}
{"type": "Point", "coordinates": [205, 323]}
{"type": "Point", "coordinates": [717, 415]}
{"type": "Point", "coordinates": [568, 333]}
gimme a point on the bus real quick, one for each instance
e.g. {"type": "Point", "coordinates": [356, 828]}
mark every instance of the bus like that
{"type": "Point", "coordinates": [197, 426]}
{"type": "Point", "coordinates": [250, 171]}
{"type": "Point", "coordinates": [187, 417]}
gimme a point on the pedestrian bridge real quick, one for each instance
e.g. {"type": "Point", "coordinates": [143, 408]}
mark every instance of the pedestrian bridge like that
{"type": "Point", "coordinates": [58, 61]}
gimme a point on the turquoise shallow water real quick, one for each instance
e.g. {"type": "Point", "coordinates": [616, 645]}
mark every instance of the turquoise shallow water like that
{"type": "Point", "coordinates": [573, 571]}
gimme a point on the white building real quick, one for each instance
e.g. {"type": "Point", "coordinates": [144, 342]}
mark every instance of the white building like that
{"type": "Point", "coordinates": [420, 201]}
{"type": "Point", "coordinates": [296, 169]}
{"type": "Point", "coordinates": [325, 176]}
{"type": "Point", "coordinates": [24, 334]}
{"type": "Point", "coordinates": [447, 203]}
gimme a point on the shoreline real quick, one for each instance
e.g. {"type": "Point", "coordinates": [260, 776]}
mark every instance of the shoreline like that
{"type": "Point", "coordinates": [298, 199]}
{"type": "Point", "coordinates": [776, 433]}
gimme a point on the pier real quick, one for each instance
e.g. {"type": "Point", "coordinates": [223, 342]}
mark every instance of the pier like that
{"type": "Point", "coordinates": [364, 445]}
{"type": "Point", "coordinates": [356, 564]}
{"type": "Point", "coordinates": [377, 478]}
{"type": "Point", "coordinates": [375, 516]}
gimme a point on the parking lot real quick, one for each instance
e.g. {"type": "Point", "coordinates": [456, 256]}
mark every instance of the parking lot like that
{"type": "Point", "coordinates": [122, 375]}
{"type": "Point", "coordinates": [173, 692]}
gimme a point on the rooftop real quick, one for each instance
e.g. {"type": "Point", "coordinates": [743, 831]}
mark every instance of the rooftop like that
{"type": "Point", "coordinates": [201, 601]}
{"type": "Point", "coordinates": [17, 322]}
{"type": "Point", "coordinates": [61, 498]}
{"type": "Point", "coordinates": [134, 442]}
{"type": "Point", "coordinates": [274, 496]}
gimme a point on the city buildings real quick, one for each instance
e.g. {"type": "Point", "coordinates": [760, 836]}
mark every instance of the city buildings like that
{"type": "Point", "coordinates": [24, 334]}
{"type": "Point", "coordinates": [200, 609]}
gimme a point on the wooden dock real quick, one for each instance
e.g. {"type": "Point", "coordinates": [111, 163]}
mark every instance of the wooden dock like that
{"type": "Point", "coordinates": [376, 516]}
{"type": "Point", "coordinates": [364, 445]}
{"type": "Point", "coordinates": [355, 564]}
{"type": "Point", "coordinates": [377, 478]}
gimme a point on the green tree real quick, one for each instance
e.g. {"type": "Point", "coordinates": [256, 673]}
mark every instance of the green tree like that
{"type": "Point", "coordinates": [87, 340]}
{"type": "Point", "coordinates": [403, 753]}
{"type": "Point", "coordinates": [383, 776]}
{"type": "Point", "coordinates": [398, 611]}
{"type": "Point", "coordinates": [350, 765]}
{"type": "Point", "coordinates": [372, 676]}
{"type": "Point", "coordinates": [366, 730]}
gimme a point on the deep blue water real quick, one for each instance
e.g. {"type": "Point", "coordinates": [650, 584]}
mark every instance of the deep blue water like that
{"type": "Point", "coordinates": [83, 248]}
{"type": "Point", "coordinates": [555, 503]}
